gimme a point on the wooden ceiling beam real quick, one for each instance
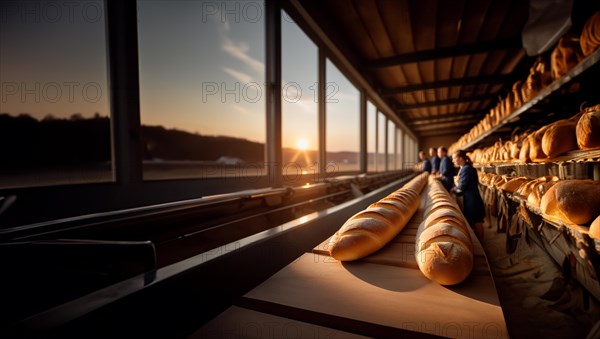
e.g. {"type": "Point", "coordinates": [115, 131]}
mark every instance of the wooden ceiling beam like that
{"type": "Point", "coordinates": [447, 116]}
{"type": "Point", "coordinates": [445, 102]}
{"type": "Point", "coordinates": [441, 133]}
{"type": "Point", "coordinates": [443, 125]}
{"type": "Point", "coordinates": [447, 52]}
{"type": "Point", "coordinates": [448, 121]}
{"type": "Point", "coordinates": [487, 79]}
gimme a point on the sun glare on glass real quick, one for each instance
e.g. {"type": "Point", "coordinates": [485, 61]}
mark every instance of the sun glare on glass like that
{"type": "Point", "coordinates": [302, 144]}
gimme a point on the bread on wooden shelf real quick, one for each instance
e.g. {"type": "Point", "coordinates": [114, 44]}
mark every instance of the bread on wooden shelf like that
{"type": "Point", "coordinates": [588, 129]}
{"type": "Point", "coordinates": [560, 137]}
{"type": "Point", "coordinates": [594, 231]}
{"type": "Point", "coordinates": [575, 201]}
{"type": "Point", "coordinates": [565, 56]}
{"type": "Point", "coordinates": [590, 36]}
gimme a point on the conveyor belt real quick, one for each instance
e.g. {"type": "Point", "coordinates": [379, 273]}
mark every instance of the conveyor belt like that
{"type": "Point", "coordinates": [383, 295]}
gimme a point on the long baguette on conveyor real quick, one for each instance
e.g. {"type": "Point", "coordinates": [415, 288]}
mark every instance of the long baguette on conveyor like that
{"type": "Point", "coordinates": [444, 249]}
{"type": "Point", "coordinates": [369, 230]}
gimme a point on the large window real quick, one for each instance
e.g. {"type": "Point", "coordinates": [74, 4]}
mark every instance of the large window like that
{"type": "Point", "coordinates": [54, 106]}
{"type": "Point", "coordinates": [342, 123]}
{"type": "Point", "coordinates": [371, 136]}
{"type": "Point", "coordinates": [202, 95]}
{"type": "Point", "coordinates": [399, 153]}
{"type": "Point", "coordinates": [381, 121]}
{"type": "Point", "coordinates": [390, 141]}
{"type": "Point", "coordinates": [299, 57]}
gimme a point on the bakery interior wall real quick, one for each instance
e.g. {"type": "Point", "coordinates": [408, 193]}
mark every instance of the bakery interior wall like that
{"type": "Point", "coordinates": [436, 141]}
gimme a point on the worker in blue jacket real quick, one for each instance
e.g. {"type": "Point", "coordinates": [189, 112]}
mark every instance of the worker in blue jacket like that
{"type": "Point", "coordinates": [435, 160]}
{"type": "Point", "coordinates": [425, 163]}
{"type": "Point", "coordinates": [446, 172]}
{"type": "Point", "coordinates": [468, 187]}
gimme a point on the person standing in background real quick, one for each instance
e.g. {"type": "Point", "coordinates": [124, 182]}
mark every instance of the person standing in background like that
{"type": "Point", "coordinates": [467, 187]}
{"type": "Point", "coordinates": [426, 164]}
{"type": "Point", "coordinates": [435, 160]}
{"type": "Point", "coordinates": [446, 171]}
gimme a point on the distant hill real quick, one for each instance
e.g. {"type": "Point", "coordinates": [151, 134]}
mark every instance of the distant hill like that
{"type": "Point", "coordinates": [28, 142]}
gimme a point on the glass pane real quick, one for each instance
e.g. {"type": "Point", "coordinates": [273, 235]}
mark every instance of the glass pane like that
{"type": "Point", "coordinates": [300, 123]}
{"type": "Point", "coordinates": [391, 160]}
{"type": "Point", "coordinates": [54, 109]}
{"type": "Point", "coordinates": [380, 142]}
{"type": "Point", "coordinates": [371, 136]}
{"type": "Point", "coordinates": [343, 122]}
{"type": "Point", "coordinates": [399, 153]}
{"type": "Point", "coordinates": [202, 70]}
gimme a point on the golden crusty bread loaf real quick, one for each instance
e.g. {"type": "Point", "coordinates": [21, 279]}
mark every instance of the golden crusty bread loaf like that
{"type": "Point", "coordinates": [565, 56]}
{"type": "Point", "coordinates": [513, 184]}
{"type": "Point", "coordinates": [443, 254]}
{"type": "Point", "coordinates": [594, 231]}
{"type": "Point", "coordinates": [444, 248]}
{"type": "Point", "coordinates": [575, 201]}
{"type": "Point", "coordinates": [590, 36]}
{"type": "Point", "coordinates": [588, 129]}
{"type": "Point", "coordinates": [539, 189]}
{"type": "Point", "coordinates": [524, 152]}
{"type": "Point", "coordinates": [559, 138]}
{"type": "Point", "coordinates": [535, 144]}
{"type": "Point", "coordinates": [369, 230]}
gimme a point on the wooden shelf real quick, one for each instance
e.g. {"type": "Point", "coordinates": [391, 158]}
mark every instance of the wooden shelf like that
{"type": "Point", "coordinates": [589, 65]}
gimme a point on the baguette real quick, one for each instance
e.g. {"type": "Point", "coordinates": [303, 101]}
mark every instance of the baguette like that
{"type": "Point", "coordinates": [369, 230]}
{"type": "Point", "coordinates": [444, 248]}
{"type": "Point", "coordinates": [575, 201]}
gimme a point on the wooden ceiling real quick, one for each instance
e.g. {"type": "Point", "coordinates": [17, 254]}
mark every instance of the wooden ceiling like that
{"type": "Point", "coordinates": [440, 64]}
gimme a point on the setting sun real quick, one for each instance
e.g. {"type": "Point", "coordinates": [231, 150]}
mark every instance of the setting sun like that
{"type": "Point", "coordinates": [302, 144]}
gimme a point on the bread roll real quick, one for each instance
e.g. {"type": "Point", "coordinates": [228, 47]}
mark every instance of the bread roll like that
{"type": "Point", "coordinates": [565, 56]}
{"type": "Point", "coordinates": [444, 248]}
{"type": "Point", "coordinates": [575, 201]}
{"type": "Point", "coordinates": [588, 130]}
{"type": "Point", "coordinates": [369, 230]}
{"type": "Point", "coordinates": [595, 228]}
{"type": "Point", "coordinates": [590, 36]}
{"type": "Point", "coordinates": [559, 138]}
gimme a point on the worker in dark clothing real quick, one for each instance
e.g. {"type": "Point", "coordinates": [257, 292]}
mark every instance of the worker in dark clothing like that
{"type": "Point", "coordinates": [446, 172]}
{"type": "Point", "coordinates": [468, 187]}
{"type": "Point", "coordinates": [425, 163]}
{"type": "Point", "coordinates": [435, 160]}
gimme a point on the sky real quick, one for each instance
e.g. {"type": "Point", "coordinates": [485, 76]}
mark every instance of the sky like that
{"type": "Point", "coordinates": [202, 69]}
